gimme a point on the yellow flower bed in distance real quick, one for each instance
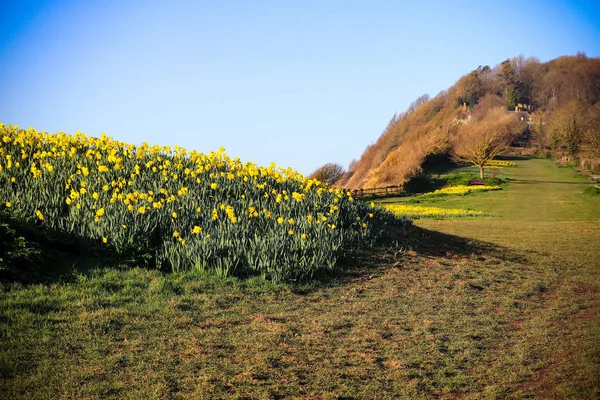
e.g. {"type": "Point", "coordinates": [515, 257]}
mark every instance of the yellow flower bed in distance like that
{"type": "Point", "coordinates": [501, 163]}
{"type": "Point", "coordinates": [463, 189]}
{"type": "Point", "coordinates": [181, 210]}
{"type": "Point", "coordinates": [413, 211]}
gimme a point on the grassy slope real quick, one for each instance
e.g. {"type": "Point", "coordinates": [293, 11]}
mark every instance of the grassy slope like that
{"type": "Point", "coordinates": [543, 210]}
{"type": "Point", "coordinates": [511, 311]}
{"type": "Point", "coordinates": [544, 215]}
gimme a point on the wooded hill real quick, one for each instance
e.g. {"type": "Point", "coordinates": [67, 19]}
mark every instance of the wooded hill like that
{"type": "Point", "coordinates": [551, 107]}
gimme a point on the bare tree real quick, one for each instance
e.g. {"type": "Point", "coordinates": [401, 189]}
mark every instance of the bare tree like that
{"type": "Point", "coordinates": [566, 128]}
{"type": "Point", "coordinates": [352, 166]}
{"type": "Point", "coordinates": [480, 141]}
{"type": "Point", "coordinates": [592, 142]}
{"type": "Point", "coordinates": [591, 134]}
{"type": "Point", "coordinates": [416, 104]}
{"type": "Point", "coordinates": [553, 82]}
{"type": "Point", "coordinates": [538, 129]}
{"type": "Point", "coordinates": [329, 173]}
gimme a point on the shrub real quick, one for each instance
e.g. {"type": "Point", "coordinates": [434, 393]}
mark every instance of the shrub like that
{"type": "Point", "coordinates": [460, 178]}
{"type": "Point", "coordinates": [19, 259]}
{"type": "Point", "coordinates": [420, 184]}
{"type": "Point", "coordinates": [465, 179]}
{"type": "Point", "coordinates": [328, 173]}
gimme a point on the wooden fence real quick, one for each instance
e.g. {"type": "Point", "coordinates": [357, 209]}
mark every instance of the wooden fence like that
{"type": "Point", "coordinates": [377, 192]}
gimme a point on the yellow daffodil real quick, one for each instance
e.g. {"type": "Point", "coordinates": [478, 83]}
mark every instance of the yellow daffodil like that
{"type": "Point", "coordinates": [430, 212]}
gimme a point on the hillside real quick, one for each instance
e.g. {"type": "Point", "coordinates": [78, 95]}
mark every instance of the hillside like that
{"type": "Point", "coordinates": [557, 103]}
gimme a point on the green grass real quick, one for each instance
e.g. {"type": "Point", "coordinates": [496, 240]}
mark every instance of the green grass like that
{"type": "Point", "coordinates": [545, 216]}
{"type": "Point", "coordinates": [468, 174]}
{"type": "Point", "coordinates": [592, 190]}
{"type": "Point", "coordinates": [503, 307]}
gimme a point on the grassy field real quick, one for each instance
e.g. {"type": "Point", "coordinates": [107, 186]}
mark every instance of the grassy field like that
{"type": "Point", "coordinates": [490, 307]}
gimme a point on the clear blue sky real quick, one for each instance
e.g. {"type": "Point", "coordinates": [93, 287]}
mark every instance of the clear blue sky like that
{"type": "Point", "coordinates": [301, 83]}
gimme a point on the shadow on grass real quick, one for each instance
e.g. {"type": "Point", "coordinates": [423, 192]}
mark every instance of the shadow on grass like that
{"type": "Point", "coordinates": [30, 254]}
{"type": "Point", "coordinates": [533, 181]}
{"type": "Point", "coordinates": [513, 158]}
{"type": "Point", "coordinates": [56, 258]}
{"type": "Point", "coordinates": [375, 261]}
{"type": "Point", "coordinates": [432, 243]}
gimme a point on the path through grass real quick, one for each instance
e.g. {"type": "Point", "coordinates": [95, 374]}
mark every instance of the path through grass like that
{"type": "Point", "coordinates": [544, 215]}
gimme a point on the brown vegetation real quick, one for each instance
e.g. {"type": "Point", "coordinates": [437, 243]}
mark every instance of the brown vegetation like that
{"type": "Point", "coordinates": [562, 98]}
{"type": "Point", "coordinates": [479, 141]}
{"type": "Point", "coordinates": [329, 173]}
{"type": "Point", "coordinates": [405, 143]}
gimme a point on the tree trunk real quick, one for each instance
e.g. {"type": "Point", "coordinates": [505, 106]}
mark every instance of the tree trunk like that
{"type": "Point", "coordinates": [481, 171]}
